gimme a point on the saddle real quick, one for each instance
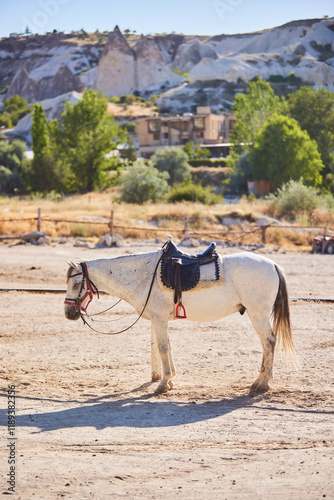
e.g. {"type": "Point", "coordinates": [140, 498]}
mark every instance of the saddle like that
{"type": "Point", "coordinates": [180, 271]}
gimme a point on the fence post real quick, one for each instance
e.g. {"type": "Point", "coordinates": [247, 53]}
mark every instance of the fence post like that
{"type": "Point", "coordinates": [111, 223]}
{"type": "Point", "coordinates": [186, 227]}
{"type": "Point", "coordinates": [263, 237]}
{"type": "Point", "coordinates": [39, 220]}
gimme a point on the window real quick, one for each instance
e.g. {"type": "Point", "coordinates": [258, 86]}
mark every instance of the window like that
{"type": "Point", "coordinates": [175, 124]}
{"type": "Point", "coordinates": [199, 123]}
{"type": "Point", "coordinates": [199, 134]}
{"type": "Point", "coordinates": [156, 137]}
{"type": "Point", "coordinates": [154, 126]}
{"type": "Point", "coordinates": [184, 126]}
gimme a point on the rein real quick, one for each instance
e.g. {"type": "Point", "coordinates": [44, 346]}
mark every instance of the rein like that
{"type": "Point", "coordinates": [93, 290]}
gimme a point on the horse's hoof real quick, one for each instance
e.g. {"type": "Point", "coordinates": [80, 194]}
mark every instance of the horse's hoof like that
{"type": "Point", "coordinates": [163, 387]}
{"type": "Point", "coordinates": [259, 388]}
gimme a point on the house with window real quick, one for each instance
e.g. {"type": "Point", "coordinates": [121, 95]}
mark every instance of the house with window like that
{"type": "Point", "coordinates": [204, 128]}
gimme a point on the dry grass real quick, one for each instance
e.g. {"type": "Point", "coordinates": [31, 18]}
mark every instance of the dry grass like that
{"type": "Point", "coordinates": [134, 110]}
{"type": "Point", "coordinates": [147, 221]}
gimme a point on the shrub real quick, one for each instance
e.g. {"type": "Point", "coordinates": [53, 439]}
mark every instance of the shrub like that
{"type": "Point", "coordinates": [5, 121]}
{"type": "Point", "coordinates": [115, 100]}
{"type": "Point", "coordinates": [327, 202]}
{"type": "Point", "coordinates": [130, 127]}
{"type": "Point", "coordinates": [143, 183]}
{"type": "Point", "coordinates": [10, 181]}
{"type": "Point", "coordinates": [128, 99]}
{"type": "Point", "coordinates": [4, 90]}
{"type": "Point", "coordinates": [174, 161]}
{"type": "Point", "coordinates": [294, 197]}
{"type": "Point", "coordinates": [206, 162]}
{"type": "Point", "coordinates": [240, 173]}
{"type": "Point", "coordinates": [195, 151]}
{"type": "Point", "coordinates": [188, 191]}
{"type": "Point", "coordinates": [15, 108]}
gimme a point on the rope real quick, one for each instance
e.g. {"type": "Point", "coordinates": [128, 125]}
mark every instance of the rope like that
{"type": "Point", "coordinates": [140, 315]}
{"type": "Point", "coordinates": [37, 291]}
{"type": "Point", "coordinates": [293, 300]}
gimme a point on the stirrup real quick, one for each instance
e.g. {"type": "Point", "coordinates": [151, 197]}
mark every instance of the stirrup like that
{"type": "Point", "coordinates": [177, 314]}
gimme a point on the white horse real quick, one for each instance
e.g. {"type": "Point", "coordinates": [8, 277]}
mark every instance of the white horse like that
{"type": "Point", "coordinates": [247, 282]}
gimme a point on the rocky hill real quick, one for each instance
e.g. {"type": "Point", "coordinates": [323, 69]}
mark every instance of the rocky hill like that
{"type": "Point", "coordinates": [183, 70]}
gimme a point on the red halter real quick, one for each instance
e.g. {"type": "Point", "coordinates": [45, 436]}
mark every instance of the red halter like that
{"type": "Point", "coordinates": [90, 292]}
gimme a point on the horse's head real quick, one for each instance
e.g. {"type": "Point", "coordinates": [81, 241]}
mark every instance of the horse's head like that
{"type": "Point", "coordinates": [80, 290]}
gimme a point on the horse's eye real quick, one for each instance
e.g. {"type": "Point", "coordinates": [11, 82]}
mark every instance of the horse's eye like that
{"type": "Point", "coordinates": [76, 285]}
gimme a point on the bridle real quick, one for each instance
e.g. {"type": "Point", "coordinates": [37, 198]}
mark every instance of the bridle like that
{"type": "Point", "coordinates": [91, 290]}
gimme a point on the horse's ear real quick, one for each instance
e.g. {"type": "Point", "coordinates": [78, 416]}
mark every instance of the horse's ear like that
{"type": "Point", "coordinates": [76, 266]}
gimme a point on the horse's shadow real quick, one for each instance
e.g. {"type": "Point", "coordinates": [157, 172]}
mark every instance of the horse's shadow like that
{"type": "Point", "coordinates": [142, 411]}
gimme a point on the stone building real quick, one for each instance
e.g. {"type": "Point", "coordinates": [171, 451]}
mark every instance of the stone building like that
{"type": "Point", "coordinates": [204, 128]}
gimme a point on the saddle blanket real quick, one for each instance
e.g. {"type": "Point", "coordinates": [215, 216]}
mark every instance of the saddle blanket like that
{"type": "Point", "coordinates": [209, 272]}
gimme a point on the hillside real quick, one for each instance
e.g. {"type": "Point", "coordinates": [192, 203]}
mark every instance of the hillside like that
{"type": "Point", "coordinates": [184, 70]}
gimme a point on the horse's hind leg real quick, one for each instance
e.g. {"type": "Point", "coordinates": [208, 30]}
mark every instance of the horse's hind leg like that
{"type": "Point", "coordinates": [268, 341]}
{"type": "Point", "coordinates": [168, 370]}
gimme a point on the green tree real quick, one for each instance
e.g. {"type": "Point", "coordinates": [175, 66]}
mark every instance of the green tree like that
{"type": "Point", "coordinates": [86, 136]}
{"type": "Point", "coordinates": [39, 176]}
{"type": "Point", "coordinates": [283, 151]}
{"type": "Point", "coordinates": [195, 151]}
{"type": "Point", "coordinates": [47, 171]}
{"type": "Point", "coordinates": [39, 131]}
{"type": "Point", "coordinates": [314, 111]}
{"type": "Point", "coordinates": [240, 173]}
{"type": "Point", "coordinates": [142, 183]}
{"type": "Point", "coordinates": [15, 108]}
{"type": "Point", "coordinates": [173, 161]}
{"type": "Point", "coordinates": [12, 162]}
{"type": "Point", "coordinates": [129, 152]}
{"type": "Point", "coordinates": [252, 110]}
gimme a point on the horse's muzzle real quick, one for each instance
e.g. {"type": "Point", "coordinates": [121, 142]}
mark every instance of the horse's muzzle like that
{"type": "Point", "coordinates": [71, 313]}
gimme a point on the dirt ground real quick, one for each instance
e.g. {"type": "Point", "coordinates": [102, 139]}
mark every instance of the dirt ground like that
{"type": "Point", "coordinates": [89, 425]}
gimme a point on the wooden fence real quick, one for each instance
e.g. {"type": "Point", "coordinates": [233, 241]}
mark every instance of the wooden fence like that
{"type": "Point", "coordinates": [185, 231]}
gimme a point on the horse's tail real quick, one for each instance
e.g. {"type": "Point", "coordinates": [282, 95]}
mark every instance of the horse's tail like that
{"type": "Point", "coordinates": [281, 314]}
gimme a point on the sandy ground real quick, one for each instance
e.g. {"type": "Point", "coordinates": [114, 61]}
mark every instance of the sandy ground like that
{"type": "Point", "coordinates": [88, 424]}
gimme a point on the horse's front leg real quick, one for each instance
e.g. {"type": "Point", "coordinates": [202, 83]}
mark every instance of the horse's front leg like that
{"type": "Point", "coordinates": [155, 357]}
{"type": "Point", "coordinates": [164, 349]}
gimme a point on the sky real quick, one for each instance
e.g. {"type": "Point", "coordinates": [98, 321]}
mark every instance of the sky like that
{"type": "Point", "coordinates": [191, 17]}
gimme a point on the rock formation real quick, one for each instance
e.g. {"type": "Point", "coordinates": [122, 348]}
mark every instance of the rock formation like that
{"type": "Point", "coordinates": [125, 70]}
{"type": "Point", "coordinates": [25, 86]}
{"type": "Point", "coordinates": [64, 81]}
{"type": "Point", "coordinates": [151, 71]}
{"type": "Point", "coordinates": [39, 67]}
{"type": "Point", "coordinates": [116, 73]}
{"type": "Point", "coordinates": [191, 53]}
